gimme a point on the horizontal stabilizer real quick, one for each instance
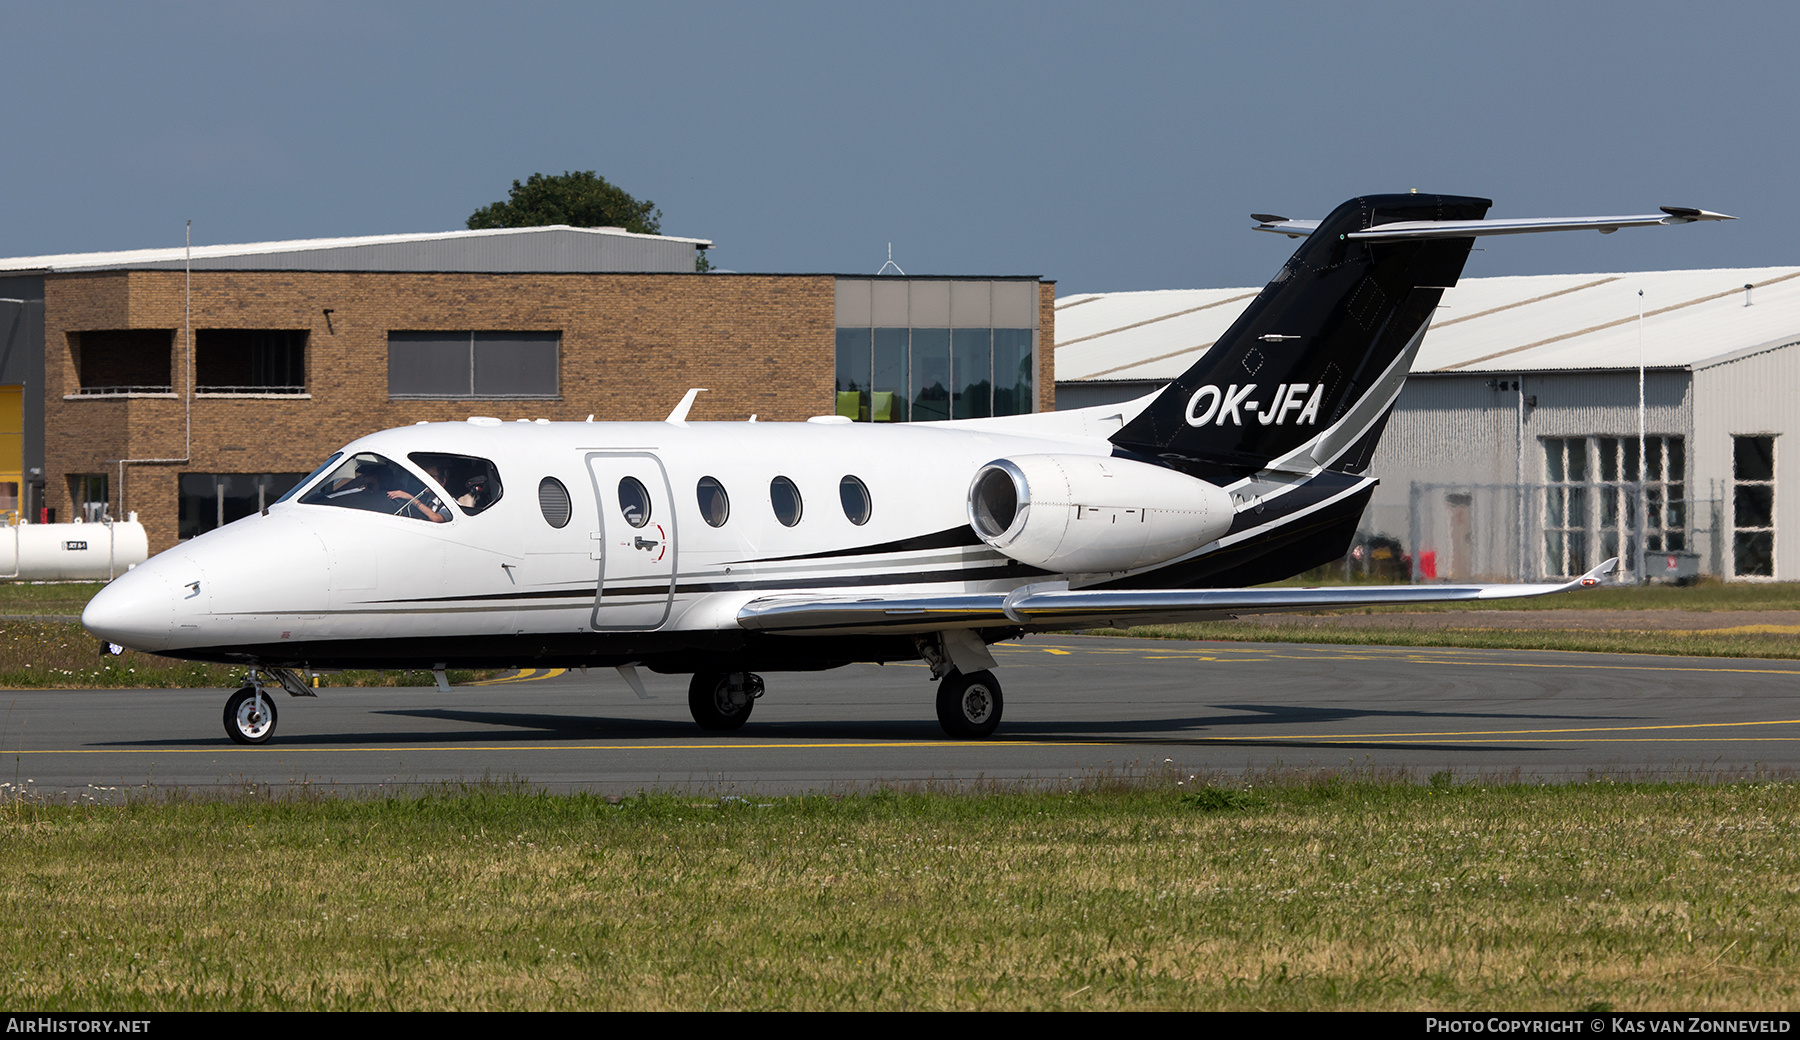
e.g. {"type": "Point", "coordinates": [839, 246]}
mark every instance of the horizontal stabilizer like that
{"type": "Point", "coordinates": [1421, 229]}
{"type": "Point", "coordinates": [1054, 606]}
{"type": "Point", "coordinates": [1284, 226]}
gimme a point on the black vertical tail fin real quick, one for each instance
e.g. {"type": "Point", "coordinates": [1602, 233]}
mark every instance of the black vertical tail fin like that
{"type": "Point", "coordinates": [1304, 379]}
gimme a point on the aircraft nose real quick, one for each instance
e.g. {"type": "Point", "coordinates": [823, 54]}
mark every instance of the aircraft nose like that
{"type": "Point", "coordinates": [136, 610]}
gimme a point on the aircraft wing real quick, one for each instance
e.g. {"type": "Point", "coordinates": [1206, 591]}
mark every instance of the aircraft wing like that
{"type": "Point", "coordinates": [1054, 605]}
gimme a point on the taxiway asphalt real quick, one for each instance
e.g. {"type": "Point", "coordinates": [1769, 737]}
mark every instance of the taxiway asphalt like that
{"type": "Point", "coordinates": [1075, 707]}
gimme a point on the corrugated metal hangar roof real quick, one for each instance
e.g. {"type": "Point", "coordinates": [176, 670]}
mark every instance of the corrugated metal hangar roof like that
{"type": "Point", "coordinates": [1532, 323]}
{"type": "Point", "coordinates": [557, 247]}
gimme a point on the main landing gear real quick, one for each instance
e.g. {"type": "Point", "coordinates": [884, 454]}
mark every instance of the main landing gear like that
{"type": "Point", "coordinates": [250, 712]}
{"type": "Point", "coordinates": [968, 706]}
{"type": "Point", "coordinates": [722, 700]}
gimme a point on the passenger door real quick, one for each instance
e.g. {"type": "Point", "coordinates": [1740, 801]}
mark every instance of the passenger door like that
{"type": "Point", "coordinates": [635, 542]}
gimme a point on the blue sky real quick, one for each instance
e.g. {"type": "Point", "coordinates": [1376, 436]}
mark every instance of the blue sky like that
{"type": "Point", "coordinates": [1108, 147]}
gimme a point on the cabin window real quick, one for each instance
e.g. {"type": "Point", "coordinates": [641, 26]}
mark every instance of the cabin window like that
{"type": "Point", "coordinates": [785, 497]}
{"type": "Point", "coordinates": [553, 502]}
{"type": "Point", "coordinates": [855, 497]}
{"type": "Point", "coordinates": [634, 502]}
{"type": "Point", "coordinates": [472, 483]}
{"type": "Point", "coordinates": [715, 505]}
{"type": "Point", "coordinates": [467, 365]}
{"type": "Point", "coordinates": [375, 484]}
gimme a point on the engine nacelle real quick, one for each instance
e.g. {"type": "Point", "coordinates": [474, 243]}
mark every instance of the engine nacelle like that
{"type": "Point", "coordinates": [1091, 513]}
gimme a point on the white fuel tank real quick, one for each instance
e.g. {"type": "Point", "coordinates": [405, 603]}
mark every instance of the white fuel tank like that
{"type": "Point", "coordinates": [72, 552]}
{"type": "Point", "coordinates": [1093, 514]}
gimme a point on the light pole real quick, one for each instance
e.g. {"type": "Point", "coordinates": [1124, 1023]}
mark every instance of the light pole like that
{"type": "Point", "coordinates": [1643, 522]}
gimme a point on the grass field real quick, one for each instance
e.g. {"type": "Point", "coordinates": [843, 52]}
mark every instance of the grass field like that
{"type": "Point", "coordinates": [1706, 595]}
{"type": "Point", "coordinates": [1299, 629]}
{"type": "Point", "coordinates": [1314, 892]}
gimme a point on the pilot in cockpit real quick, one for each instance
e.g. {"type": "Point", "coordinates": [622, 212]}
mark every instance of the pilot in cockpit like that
{"type": "Point", "coordinates": [376, 480]}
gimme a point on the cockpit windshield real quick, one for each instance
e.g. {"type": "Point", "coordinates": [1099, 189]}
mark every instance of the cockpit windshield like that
{"type": "Point", "coordinates": [310, 477]}
{"type": "Point", "coordinates": [369, 481]}
{"type": "Point", "coordinates": [472, 482]}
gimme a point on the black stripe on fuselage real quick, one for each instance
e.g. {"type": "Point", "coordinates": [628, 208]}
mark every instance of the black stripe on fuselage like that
{"type": "Point", "coordinates": [1009, 569]}
{"type": "Point", "coordinates": [953, 538]}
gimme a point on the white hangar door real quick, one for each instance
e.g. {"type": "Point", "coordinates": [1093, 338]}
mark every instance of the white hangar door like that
{"type": "Point", "coordinates": [635, 542]}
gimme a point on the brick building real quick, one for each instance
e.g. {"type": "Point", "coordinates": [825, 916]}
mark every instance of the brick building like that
{"type": "Point", "coordinates": [193, 388]}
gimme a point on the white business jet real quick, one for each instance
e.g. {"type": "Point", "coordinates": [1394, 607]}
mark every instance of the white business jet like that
{"type": "Point", "coordinates": [723, 550]}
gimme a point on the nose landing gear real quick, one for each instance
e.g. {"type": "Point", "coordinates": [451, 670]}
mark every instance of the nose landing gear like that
{"type": "Point", "coordinates": [250, 716]}
{"type": "Point", "coordinates": [250, 712]}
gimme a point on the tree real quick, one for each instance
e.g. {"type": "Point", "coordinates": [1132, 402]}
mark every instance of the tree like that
{"type": "Point", "coordinates": [579, 199]}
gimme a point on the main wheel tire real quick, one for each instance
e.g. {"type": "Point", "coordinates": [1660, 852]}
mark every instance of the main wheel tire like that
{"type": "Point", "coordinates": [243, 723]}
{"type": "Point", "coordinates": [713, 704]}
{"type": "Point", "coordinates": [969, 706]}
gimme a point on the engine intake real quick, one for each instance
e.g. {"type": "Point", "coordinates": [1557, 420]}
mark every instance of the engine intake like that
{"type": "Point", "coordinates": [1093, 514]}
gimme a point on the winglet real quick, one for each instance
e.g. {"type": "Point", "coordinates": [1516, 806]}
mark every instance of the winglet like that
{"type": "Point", "coordinates": [687, 402]}
{"type": "Point", "coordinates": [1684, 215]}
{"type": "Point", "coordinates": [1598, 574]}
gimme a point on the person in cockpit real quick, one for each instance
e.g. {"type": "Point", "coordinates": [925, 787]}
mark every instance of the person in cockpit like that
{"type": "Point", "coordinates": [377, 481]}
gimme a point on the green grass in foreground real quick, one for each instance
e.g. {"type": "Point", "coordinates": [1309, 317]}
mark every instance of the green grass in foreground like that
{"type": "Point", "coordinates": [1304, 893]}
{"type": "Point", "coordinates": [1298, 630]}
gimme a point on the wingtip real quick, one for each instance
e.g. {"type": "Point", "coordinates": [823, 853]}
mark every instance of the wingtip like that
{"type": "Point", "coordinates": [1684, 214]}
{"type": "Point", "coordinates": [1598, 574]}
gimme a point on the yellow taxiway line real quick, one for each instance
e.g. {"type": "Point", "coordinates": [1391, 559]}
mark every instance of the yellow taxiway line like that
{"type": "Point", "coordinates": [1479, 736]}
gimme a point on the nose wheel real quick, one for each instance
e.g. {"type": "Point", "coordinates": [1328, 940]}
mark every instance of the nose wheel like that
{"type": "Point", "coordinates": [250, 716]}
{"type": "Point", "coordinates": [722, 700]}
{"type": "Point", "coordinates": [968, 706]}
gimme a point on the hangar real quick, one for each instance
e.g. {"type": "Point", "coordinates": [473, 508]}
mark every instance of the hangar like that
{"type": "Point", "coordinates": [191, 386]}
{"type": "Point", "coordinates": [1513, 451]}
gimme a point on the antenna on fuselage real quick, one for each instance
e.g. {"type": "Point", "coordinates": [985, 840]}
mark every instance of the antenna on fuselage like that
{"type": "Point", "coordinates": [687, 401]}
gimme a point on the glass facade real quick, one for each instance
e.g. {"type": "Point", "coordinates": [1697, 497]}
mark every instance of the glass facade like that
{"type": "Point", "coordinates": [918, 375]}
{"type": "Point", "coordinates": [924, 350]}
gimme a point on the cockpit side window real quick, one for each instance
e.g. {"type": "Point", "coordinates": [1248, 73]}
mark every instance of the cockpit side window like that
{"type": "Point", "coordinates": [374, 483]}
{"type": "Point", "coordinates": [473, 483]}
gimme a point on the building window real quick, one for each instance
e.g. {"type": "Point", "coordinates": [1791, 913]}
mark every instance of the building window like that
{"type": "Point", "coordinates": [89, 493]}
{"type": "Point", "coordinates": [1753, 506]}
{"type": "Point", "coordinates": [1591, 500]}
{"type": "Point", "coordinates": [918, 375]}
{"type": "Point", "coordinates": [212, 500]}
{"type": "Point", "coordinates": [123, 361]}
{"type": "Point", "coordinates": [467, 365]}
{"type": "Point", "coordinates": [250, 361]}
